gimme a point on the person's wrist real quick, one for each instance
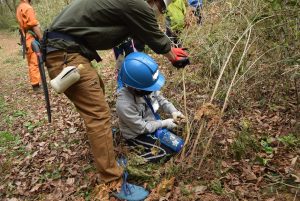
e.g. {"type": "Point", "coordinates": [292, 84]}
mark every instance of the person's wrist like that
{"type": "Point", "coordinates": [170, 56]}
{"type": "Point", "coordinates": [160, 123]}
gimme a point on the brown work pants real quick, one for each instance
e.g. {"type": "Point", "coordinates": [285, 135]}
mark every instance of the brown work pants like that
{"type": "Point", "coordinates": [88, 97]}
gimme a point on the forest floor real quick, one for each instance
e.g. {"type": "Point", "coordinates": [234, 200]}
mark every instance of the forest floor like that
{"type": "Point", "coordinates": [42, 161]}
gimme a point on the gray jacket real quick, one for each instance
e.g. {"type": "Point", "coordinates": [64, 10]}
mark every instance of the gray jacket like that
{"type": "Point", "coordinates": [135, 116]}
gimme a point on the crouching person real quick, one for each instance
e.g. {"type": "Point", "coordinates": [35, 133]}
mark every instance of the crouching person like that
{"type": "Point", "coordinates": [137, 105]}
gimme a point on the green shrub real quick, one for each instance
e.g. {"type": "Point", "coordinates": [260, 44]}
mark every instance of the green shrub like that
{"type": "Point", "coordinates": [48, 10]}
{"type": "Point", "coordinates": [7, 141]}
{"type": "Point", "coordinates": [273, 42]}
{"type": "Point", "coordinates": [289, 140]}
{"type": "Point", "coordinates": [245, 144]}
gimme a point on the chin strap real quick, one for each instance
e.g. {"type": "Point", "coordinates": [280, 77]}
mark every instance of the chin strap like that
{"type": "Point", "coordinates": [148, 101]}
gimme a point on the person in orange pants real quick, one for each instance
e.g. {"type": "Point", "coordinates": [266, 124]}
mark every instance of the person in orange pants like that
{"type": "Point", "coordinates": [30, 29]}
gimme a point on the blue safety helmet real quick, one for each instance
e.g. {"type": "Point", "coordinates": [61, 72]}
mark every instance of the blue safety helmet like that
{"type": "Point", "coordinates": [140, 71]}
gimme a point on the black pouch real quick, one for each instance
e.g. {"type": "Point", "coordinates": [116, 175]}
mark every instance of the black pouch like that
{"type": "Point", "coordinates": [77, 45]}
{"type": "Point", "coordinates": [90, 54]}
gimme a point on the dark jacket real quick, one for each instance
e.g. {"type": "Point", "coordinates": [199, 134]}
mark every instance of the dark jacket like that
{"type": "Point", "coordinates": [103, 24]}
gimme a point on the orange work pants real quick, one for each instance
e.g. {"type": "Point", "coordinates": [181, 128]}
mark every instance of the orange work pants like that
{"type": "Point", "coordinates": [88, 97]}
{"type": "Point", "coordinates": [33, 68]}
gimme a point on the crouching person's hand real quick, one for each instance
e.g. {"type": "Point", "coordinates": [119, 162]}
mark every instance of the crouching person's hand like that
{"type": "Point", "coordinates": [177, 116]}
{"type": "Point", "coordinates": [168, 123]}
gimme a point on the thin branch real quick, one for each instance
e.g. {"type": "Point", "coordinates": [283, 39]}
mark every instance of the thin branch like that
{"type": "Point", "coordinates": [252, 65]}
{"type": "Point", "coordinates": [230, 54]}
{"type": "Point", "coordinates": [295, 195]}
{"type": "Point", "coordinates": [226, 63]}
{"type": "Point", "coordinates": [236, 72]}
{"type": "Point", "coordinates": [196, 142]}
{"type": "Point", "coordinates": [297, 97]}
{"type": "Point", "coordinates": [226, 99]}
{"type": "Point", "coordinates": [186, 115]}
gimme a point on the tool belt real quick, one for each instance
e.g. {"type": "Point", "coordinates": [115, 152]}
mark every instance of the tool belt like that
{"type": "Point", "coordinates": [79, 46]}
{"type": "Point", "coordinates": [33, 34]}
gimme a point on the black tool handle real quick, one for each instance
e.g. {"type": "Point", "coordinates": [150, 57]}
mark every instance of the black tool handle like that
{"type": "Point", "coordinates": [36, 48]}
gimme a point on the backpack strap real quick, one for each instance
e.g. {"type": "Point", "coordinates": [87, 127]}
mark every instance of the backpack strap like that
{"type": "Point", "coordinates": [148, 101]}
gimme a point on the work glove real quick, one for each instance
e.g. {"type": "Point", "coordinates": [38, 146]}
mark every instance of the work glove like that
{"type": "Point", "coordinates": [181, 58]}
{"type": "Point", "coordinates": [177, 115]}
{"type": "Point", "coordinates": [168, 123]}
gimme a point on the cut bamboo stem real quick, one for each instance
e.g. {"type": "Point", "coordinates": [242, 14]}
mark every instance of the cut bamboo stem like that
{"type": "Point", "coordinates": [196, 141]}
{"type": "Point", "coordinates": [236, 72]}
{"type": "Point", "coordinates": [250, 67]}
{"type": "Point", "coordinates": [213, 94]}
{"type": "Point", "coordinates": [226, 63]}
{"type": "Point", "coordinates": [246, 48]}
{"type": "Point", "coordinates": [216, 87]}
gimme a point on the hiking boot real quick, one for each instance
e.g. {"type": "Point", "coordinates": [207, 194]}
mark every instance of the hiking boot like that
{"type": "Point", "coordinates": [119, 189]}
{"type": "Point", "coordinates": [131, 192]}
{"type": "Point", "coordinates": [36, 87]}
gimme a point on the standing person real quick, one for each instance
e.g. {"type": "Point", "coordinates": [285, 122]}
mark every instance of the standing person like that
{"type": "Point", "coordinates": [137, 105]}
{"type": "Point", "coordinates": [196, 6]}
{"type": "Point", "coordinates": [30, 30]}
{"type": "Point", "coordinates": [175, 20]}
{"type": "Point", "coordinates": [73, 38]}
